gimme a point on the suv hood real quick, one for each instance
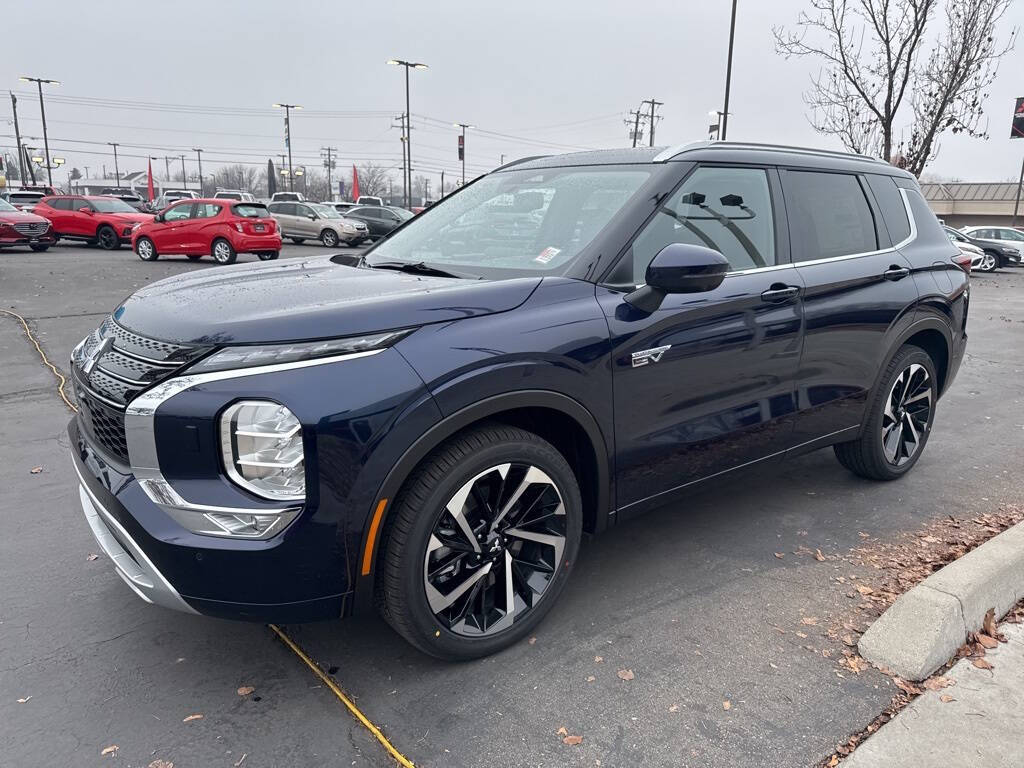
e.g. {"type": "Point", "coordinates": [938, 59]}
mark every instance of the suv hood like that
{"type": "Point", "coordinates": [307, 299]}
{"type": "Point", "coordinates": [23, 217]}
{"type": "Point", "coordinates": [131, 218]}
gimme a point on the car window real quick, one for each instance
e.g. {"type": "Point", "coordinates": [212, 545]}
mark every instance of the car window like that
{"type": "Point", "coordinates": [111, 205]}
{"type": "Point", "coordinates": [369, 213]}
{"type": "Point", "coordinates": [250, 210]}
{"type": "Point", "coordinates": [890, 202]}
{"type": "Point", "coordinates": [205, 210]}
{"type": "Point", "coordinates": [25, 197]}
{"type": "Point", "coordinates": [6, 207]}
{"type": "Point", "coordinates": [1010, 234]}
{"type": "Point", "coordinates": [726, 209]}
{"type": "Point", "coordinates": [60, 203]}
{"type": "Point", "coordinates": [81, 202]}
{"type": "Point", "coordinates": [178, 212]}
{"type": "Point", "coordinates": [829, 215]}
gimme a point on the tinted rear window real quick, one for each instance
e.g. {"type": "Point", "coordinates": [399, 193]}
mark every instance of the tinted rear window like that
{"type": "Point", "coordinates": [25, 197]}
{"type": "Point", "coordinates": [890, 201]}
{"type": "Point", "coordinates": [830, 216]}
{"type": "Point", "coordinates": [250, 210]}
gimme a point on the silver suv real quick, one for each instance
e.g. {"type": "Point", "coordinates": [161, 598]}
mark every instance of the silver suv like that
{"type": "Point", "coordinates": [315, 221]}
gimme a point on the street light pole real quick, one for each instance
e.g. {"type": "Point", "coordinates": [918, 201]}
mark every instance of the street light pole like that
{"type": "Point", "coordinates": [117, 172]}
{"type": "Point", "coordinates": [288, 138]}
{"type": "Point", "coordinates": [42, 112]}
{"type": "Point", "coordinates": [728, 73]}
{"type": "Point", "coordinates": [199, 157]}
{"type": "Point", "coordinates": [463, 126]}
{"type": "Point", "coordinates": [408, 117]}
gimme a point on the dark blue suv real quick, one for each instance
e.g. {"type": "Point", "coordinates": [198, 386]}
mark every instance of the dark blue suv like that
{"type": "Point", "coordinates": [564, 343]}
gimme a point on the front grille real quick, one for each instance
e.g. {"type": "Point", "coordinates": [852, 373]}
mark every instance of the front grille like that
{"type": "Point", "coordinates": [110, 368]}
{"type": "Point", "coordinates": [31, 229]}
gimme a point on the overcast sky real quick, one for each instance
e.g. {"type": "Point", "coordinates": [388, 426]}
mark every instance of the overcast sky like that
{"type": "Point", "coordinates": [551, 76]}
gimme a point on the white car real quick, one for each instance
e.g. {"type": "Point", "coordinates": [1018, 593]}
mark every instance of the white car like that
{"type": "Point", "coordinates": [173, 195]}
{"type": "Point", "coordinates": [981, 261]}
{"type": "Point", "coordinates": [1009, 239]}
{"type": "Point", "coordinates": [234, 194]}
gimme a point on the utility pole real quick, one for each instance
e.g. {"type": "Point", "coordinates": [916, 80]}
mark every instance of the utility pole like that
{"type": "Point", "coordinates": [442, 183]}
{"type": "Point", "coordinates": [329, 163]}
{"type": "Point", "coordinates": [167, 168]}
{"type": "Point", "coordinates": [405, 179]}
{"type": "Point", "coordinates": [42, 112]}
{"type": "Point", "coordinates": [17, 138]}
{"type": "Point", "coordinates": [502, 160]}
{"type": "Point", "coordinates": [636, 114]}
{"type": "Point", "coordinates": [462, 147]}
{"type": "Point", "coordinates": [199, 157]}
{"type": "Point", "coordinates": [728, 73]}
{"type": "Point", "coordinates": [117, 172]}
{"type": "Point", "coordinates": [288, 139]}
{"type": "Point", "coordinates": [654, 104]}
{"type": "Point", "coordinates": [184, 176]}
{"type": "Point", "coordinates": [408, 120]}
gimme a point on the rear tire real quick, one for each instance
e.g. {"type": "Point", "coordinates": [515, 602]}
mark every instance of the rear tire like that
{"type": "Point", "coordinates": [453, 602]}
{"type": "Point", "coordinates": [194, 256]}
{"type": "Point", "coordinates": [107, 238]}
{"type": "Point", "coordinates": [39, 248]}
{"type": "Point", "coordinates": [223, 252]}
{"type": "Point", "coordinates": [145, 249]}
{"type": "Point", "coordinates": [267, 255]}
{"type": "Point", "coordinates": [900, 415]}
{"type": "Point", "coordinates": [298, 240]}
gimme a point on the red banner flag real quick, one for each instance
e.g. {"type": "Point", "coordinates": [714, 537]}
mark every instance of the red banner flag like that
{"type": "Point", "coordinates": [149, 183]}
{"type": "Point", "coordinates": [355, 183]}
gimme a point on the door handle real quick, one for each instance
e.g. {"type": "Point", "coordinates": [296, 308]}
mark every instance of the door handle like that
{"type": "Point", "coordinates": [779, 293]}
{"type": "Point", "coordinates": [895, 273]}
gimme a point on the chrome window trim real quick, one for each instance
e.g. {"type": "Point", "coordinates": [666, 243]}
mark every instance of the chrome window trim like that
{"type": "Point", "coordinates": [140, 434]}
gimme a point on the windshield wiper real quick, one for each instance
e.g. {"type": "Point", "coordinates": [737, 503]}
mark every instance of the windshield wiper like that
{"type": "Point", "coordinates": [418, 268]}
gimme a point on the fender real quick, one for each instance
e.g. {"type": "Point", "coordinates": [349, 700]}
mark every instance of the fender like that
{"type": "Point", "coordinates": [920, 324]}
{"type": "Point", "coordinates": [441, 431]}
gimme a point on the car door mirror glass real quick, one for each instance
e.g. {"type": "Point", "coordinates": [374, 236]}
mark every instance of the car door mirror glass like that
{"type": "Point", "coordinates": [679, 268]}
{"type": "Point", "coordinates": [85, 209]}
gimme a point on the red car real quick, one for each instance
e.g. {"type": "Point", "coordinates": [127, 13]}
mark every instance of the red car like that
{"type": "Point", "coordinates": [19, 228]}
{"type": "Point", "coordinates": [222, 228]}
{"type": "Point", "coordinates": [98, 220]}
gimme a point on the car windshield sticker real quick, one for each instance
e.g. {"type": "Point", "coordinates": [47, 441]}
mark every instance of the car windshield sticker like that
{"type": "Point", "coordinates": [547, 254]}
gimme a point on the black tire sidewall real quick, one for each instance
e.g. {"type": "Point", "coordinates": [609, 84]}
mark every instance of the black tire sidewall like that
{"type": "Point", "coordinates": [905, 357]}
{"type": "Point", "coordinates": [329, 234]}
{"type": "Point", "coordinates": [213, 250]}
{"type": "Point", "coordinates": [115, 243]}
{"type": "Point", "coordinates": [430, 635]}
{"type": "Point", "coordinates": [155, 255]}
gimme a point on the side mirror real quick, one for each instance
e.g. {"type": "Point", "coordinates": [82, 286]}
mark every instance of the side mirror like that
{"type": "Point", "coordinates": [85, 209]}
{"type": "Point", "coordinates": [312, 217]}
{"type": "Point", "coordinates": [679, 268]}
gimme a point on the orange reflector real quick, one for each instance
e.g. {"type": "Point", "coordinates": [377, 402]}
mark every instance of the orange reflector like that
{"type": "Point", "coordinates": [371, 538]}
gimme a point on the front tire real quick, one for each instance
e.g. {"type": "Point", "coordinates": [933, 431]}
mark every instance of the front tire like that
{"type": "Point", "coordinates": [145, 249]}
{"type": "Point", "coordinates": [900, 417]}
{"type": "Point", "coordinates": [481, 541]}
{"type": "Point", "coordinates": [193, 256]}
{"type": "Point", "coordinates": [223, 252]}
{"type": "Point", "coordinates": [989, 262]}
{"type": "Point", "coordinates": [329, 238]}
{"type": "Point", "coordinates": [298, 240]}
{"type": "Point", "coordinates": [39, 248]}
{"type": "Point", "coordinates": [107, 238]}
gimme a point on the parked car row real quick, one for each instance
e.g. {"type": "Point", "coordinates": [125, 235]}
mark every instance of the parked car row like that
{"type": "Point", "coordinates": [989, 247]}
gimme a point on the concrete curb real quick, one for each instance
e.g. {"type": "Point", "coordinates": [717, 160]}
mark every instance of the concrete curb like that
{"type": "Point", "coordinates": [924, 628]}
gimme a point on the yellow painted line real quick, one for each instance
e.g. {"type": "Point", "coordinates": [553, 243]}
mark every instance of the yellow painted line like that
{"type": "Point", "coordinates": [61, 381]}
{"type": "Point", "coordinates": [352, 708]}
{"type": "Point", "coordinates": [372, 536]}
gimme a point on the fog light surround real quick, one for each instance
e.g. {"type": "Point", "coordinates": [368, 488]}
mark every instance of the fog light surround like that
{"type": "Point", "coordinates": [261, 444]}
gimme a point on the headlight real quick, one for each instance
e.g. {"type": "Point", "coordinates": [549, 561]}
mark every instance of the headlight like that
{"type": "Point", "coordinates": [261, 442]}
{"type": "Point", "coordinates": [136, 225]}
{"type": "Point", "coordinates": [254, 356]}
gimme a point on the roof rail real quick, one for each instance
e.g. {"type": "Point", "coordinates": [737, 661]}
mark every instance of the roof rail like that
{"type": "Point", "coordinates": [671, 152]}
{"type": "Point", "coordinates": [520, 161]}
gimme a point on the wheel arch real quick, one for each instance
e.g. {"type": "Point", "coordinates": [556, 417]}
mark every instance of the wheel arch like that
{"type": "Point", "coordinates": [933, 336]}
{"type": "Point", "coordinates": [558, 418]}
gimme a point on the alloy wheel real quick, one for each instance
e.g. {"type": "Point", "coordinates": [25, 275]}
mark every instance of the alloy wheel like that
{"type": "Point", "coordinates": [222, 252]}
{"type": "Point", "coordinates": [145, 249]}
{"type": "Point", "coordinates": [330, 239]}
{"type": "Point", "coordinates": [495, 549]}
{"type": "Point", "coordinates": [988, 263]}
{"type": "Point", "coordinates": [907, 415]}
{"type": "Point", "coordinates": [108, 238]}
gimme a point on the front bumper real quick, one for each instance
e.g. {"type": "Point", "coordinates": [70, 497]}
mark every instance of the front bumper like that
{"type": "Point", "coordinates": [26, 240]}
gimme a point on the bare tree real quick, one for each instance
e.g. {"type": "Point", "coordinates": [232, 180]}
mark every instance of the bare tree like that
{"type": "Point", "coordinates": [881, 91]}
{"type": "Point", "coordinates": [238, 176]}
{"type": "Point", "coordinates": [373, 179]}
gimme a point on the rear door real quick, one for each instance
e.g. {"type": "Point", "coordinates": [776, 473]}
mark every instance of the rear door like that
{"type": "Point", "coordinates": [306, 221]}
{"type": "Point", "coordinates": [858, 290]}
{"type": "Point", "coordinates": [706, 383]}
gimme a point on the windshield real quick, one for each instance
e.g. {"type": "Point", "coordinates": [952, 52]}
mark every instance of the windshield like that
{"type": "Point", "coordinates": [111, 206]}
{"type": "Point", "coordinates": [326, 211]}
{"type": "Point", "coordinates": [5, 206]}
{"type": "Point", "coordinates": [26, 197]}
{"type": "Point", "coordinates": [511, 222]}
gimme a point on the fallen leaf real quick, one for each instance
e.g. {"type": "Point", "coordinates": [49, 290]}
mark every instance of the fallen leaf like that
{"type": "Point", "coordinates": [849, 641]}
{"type": "Point", "coordinates": [625, 674]}
{"type": "Point", "coordinates": [989, 624]}
{"type": "Point", "coordinates": [591, 678]}
{"type": "Point", "coordinates": [818, 556]}
{"type": "Point", "coordinates": [987, 642]}
{"type": "Point", "coordinates": [801, 635]}
{"type": "Point", "coordinates": [572, 741]}
{"type": "Point", "coordinates": [36, 470]}
{"type": "Point", "coordinates": [726, 705]}
{"type": "Point", "coordinates": [109, 750]}
{"type": "Point", "coordinates": [906, 687]}
{"type": "Point", "coordinates": [864, 589]}
{"type": "Point", "coordinates": [982, 664]}
{"type": "Point", "coordinates": [779, 555]}
{"type": "Point", "coordinates": [23, 701]}
{"type": "Point", "coordinates": [937, 683]}
{"type": "Point", "coordinates": [598, 659]}
{"type": "Point", "coordinates": [190, 718]}
{"type": "Point", "coordinates": [92, 557]}
{"type": "Point", "coordinates": [158, 763]}
{"type": "Point", "coordinates": [809, 621]}
{"type": "Point", "coordinates": [946, 698]}
{"type": "Point", "coordinates": [245, 690]}
{"type": "Point", "coordinates": [674, 708]}
{"type": "Point", "coordinates": [562, 731]}
{"type": "Point", "coordinates": [532, 640]}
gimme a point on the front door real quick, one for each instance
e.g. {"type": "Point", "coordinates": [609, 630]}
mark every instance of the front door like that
{"type": "Point", "coordinates": [169, 235]}
{"type": "Point", "coordinates": [706, 383]}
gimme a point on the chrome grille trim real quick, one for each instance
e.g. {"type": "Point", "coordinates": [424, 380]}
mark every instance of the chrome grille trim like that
{"type": "Point", "coordinates": [30, 228]}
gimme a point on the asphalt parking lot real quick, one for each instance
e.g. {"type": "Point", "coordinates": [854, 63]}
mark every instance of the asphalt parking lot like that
{"type": "Point", "coordinates": [691, 599]}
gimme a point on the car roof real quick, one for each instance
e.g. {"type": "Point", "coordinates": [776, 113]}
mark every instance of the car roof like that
{"type": "Point", "coordinates": [715, 151]}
